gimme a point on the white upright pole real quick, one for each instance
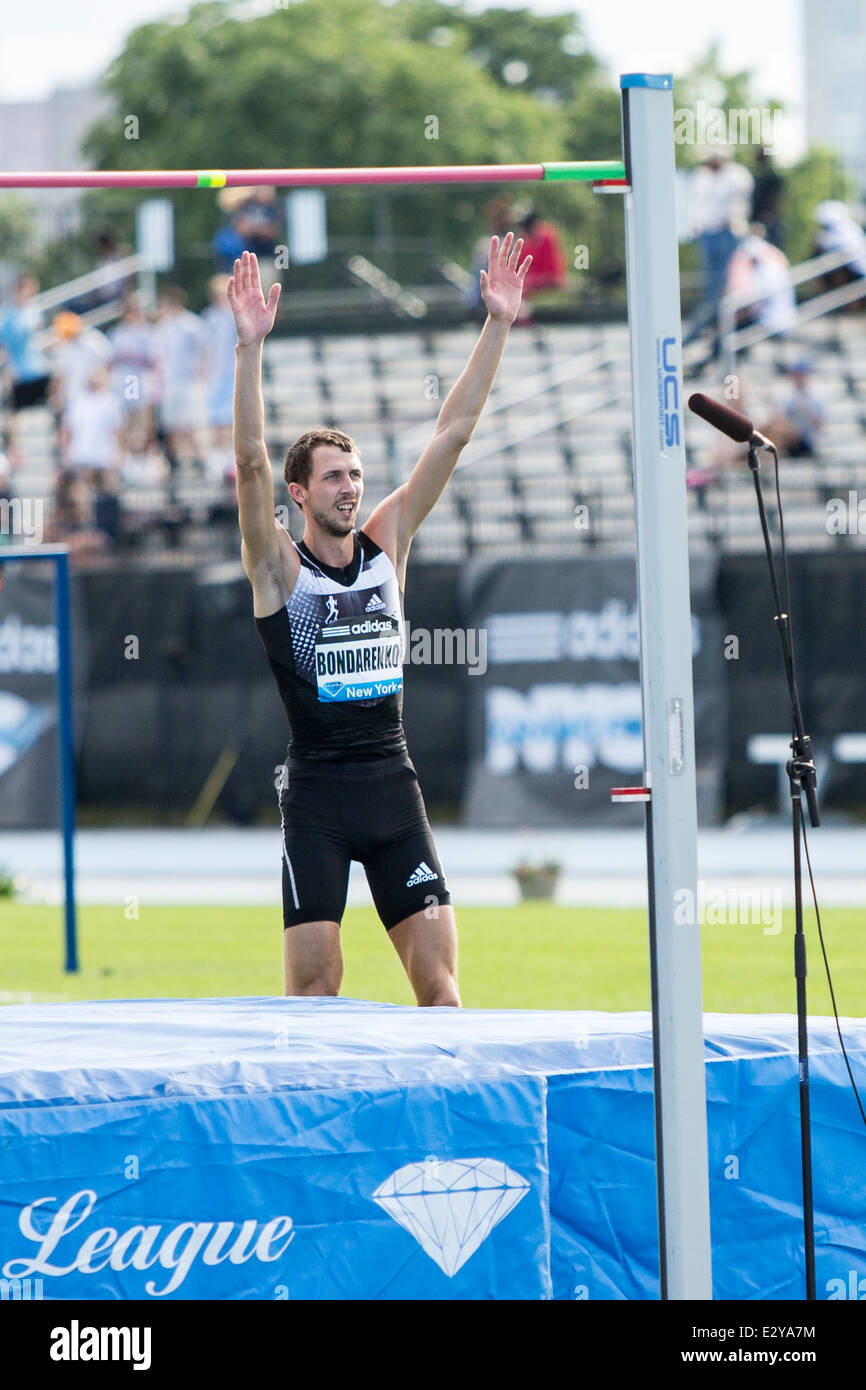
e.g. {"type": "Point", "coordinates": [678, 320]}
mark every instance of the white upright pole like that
{"type": "Point", "coordinates": [666, 685]}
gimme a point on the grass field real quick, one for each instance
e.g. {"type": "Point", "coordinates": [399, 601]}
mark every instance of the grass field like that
{"type": "Point", "coordinates": [525, 957]}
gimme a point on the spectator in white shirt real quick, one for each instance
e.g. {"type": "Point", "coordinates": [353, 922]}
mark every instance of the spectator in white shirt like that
{"type": "Point", "coordinates": [220, 342]}
{"type": "Point", "coordinates": [180, 350]}
{"type": "Point", "coordinates": [91, 432]}
{"type": "Point", "coordinates": [721, 192]}
{"type": "Point", "coordinates": [77, 350]}
{"type": "Point", "coordinates": [762, 271]}
{"type": "Point", "coordinates": [839, 231]}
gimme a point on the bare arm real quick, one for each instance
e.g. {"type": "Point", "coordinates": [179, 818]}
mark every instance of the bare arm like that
{"type": "Point", "coordinates": [259, 540]}
{"type": "Point", "coordinates": [397, 518]}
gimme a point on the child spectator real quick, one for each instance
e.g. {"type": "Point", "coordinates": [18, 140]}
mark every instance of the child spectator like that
{"type": "Point", "coordinates": [134, 367]}
{"type": "Point", "coordinates": [91, 432]}
{"type": "Point", "coordinates": [78, 349]}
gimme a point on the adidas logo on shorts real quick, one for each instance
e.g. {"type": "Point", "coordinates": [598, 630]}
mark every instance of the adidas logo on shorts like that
{"type": "Point", "coordinates": [374, 604]}
{"type": "Point", "coordinates": [423, 874]}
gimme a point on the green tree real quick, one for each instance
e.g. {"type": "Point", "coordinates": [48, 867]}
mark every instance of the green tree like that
{"type": "Point", "coordinates": [319, 83]}
{"type": "Point", "coordinates": [819, 174]}
{"type": "Point", "coordinates": [816, 175]}
{"type": "Point", "coordinates": [17, 229]}
{"type": "Point", "coordinates": [542, 54]}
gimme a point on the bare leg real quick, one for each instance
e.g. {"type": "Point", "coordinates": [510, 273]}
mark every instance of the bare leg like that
{"type": "Point", "coordinates": [427, 946]}
{"type": "Point", "coordinates": [312, 959]}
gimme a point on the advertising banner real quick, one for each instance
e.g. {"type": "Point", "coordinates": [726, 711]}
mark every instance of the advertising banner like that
{"type": "Point", "coordinates": [555, 720]}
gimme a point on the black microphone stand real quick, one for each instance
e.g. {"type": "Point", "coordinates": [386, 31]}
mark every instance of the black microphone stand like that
{"type": "Point", "coordinates": [801, 777]}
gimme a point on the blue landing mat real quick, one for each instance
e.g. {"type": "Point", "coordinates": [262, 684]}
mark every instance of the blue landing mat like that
{"type": "Point", "coordinates": [333, 1149]}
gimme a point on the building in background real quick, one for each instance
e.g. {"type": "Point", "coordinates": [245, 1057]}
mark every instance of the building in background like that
{"type": "Point", "coordinates": [835, 42]}
{"type": "Point", "coordinates": [47, 134]}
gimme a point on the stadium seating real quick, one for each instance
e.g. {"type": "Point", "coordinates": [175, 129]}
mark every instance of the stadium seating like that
{"type": "Point", "coordinates": [556, 433]}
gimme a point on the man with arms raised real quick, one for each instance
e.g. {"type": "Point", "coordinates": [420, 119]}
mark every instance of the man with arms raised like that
{"type": "Point", "coordinates": [329, 612]}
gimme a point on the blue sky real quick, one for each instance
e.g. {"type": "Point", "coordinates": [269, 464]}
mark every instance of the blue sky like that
{"type": "Point", "coordinates": [50, 43]}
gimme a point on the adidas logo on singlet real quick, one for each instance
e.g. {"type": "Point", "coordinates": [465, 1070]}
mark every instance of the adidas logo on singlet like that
{"type": "Point", "coordinates": [423, 874]}
{"type": "Point", "coordinates": [375, 602]}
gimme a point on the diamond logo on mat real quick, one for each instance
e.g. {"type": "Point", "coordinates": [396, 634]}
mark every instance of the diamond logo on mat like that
{"type": "Point", "coordinates": [450, 1207]}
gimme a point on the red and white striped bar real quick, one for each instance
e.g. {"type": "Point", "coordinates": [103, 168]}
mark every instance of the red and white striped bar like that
{"type": "Point", "coordinates": [624, 794]}
{"type": "Point", "coordinates": [611, 186]}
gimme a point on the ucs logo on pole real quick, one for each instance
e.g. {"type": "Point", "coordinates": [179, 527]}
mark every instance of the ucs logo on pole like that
{"type": "Point", "coordinates": [668, 392]}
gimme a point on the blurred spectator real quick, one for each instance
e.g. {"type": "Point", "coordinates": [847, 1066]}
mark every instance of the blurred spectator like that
{"type": "Point", "coordinates": [797, 426]}
{"type": "Point", "coordinates": [549, 269]}
{"type": "Point", "coordinates": [108, 253]}
{"type": "Point", "coordinates": [839, 231]}
{"type": "Point", "coordinates": [91, 433]}
{"type": "Point", "coordinates": [6, 495]}
{"type": "Point", "coordinates": [25, 363]}
{"type": "Point", "coordinates": [134, 365]}
{"type": "Point", "coordinates": [253, 224]}
{"type": "Point", "coordinates": [259, 225]}
{"type": "Point", "coordinates": [500, 219]}
{"type": "Point", "coordinates": [761, 270]}
{"type": "Point", "coordinates": [767, 196]}
{"type": "Point", "coordinates": [720, 200]}
{"type": "Point", "coordinates": [179, 342]}
{"type": "Point", "coordinates": [73, 521]}
{"type": "Point", "coordinates": [227, 244]}
{"type": "Point", "coordinates": [723, 455]}
{"type": "Point", "coordinates": [220, 340]}
{"type": "Point", "coordinates": [77, 350]}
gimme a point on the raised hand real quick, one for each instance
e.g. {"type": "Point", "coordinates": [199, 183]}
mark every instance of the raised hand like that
{"type": "Point", "coordinates": [502, 281]}
{"type": "Point", "coordinates": [254, 318]}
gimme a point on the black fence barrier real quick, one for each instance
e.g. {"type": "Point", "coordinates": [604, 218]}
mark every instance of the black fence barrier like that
{"type": "Point", "coordinates": [828, 608]}
{"type": "Point", "coordinates": [556, 720]}
{"type": "Point", "coordinates": [521, 683]}
{"type": "Point", "coordinates": [180, 691]}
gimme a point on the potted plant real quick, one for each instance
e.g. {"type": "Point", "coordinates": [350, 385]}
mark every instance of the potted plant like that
{"type": "Point", "coordinates": [8, 884]}
{"type": "Point", "coordinates": [537, 880]}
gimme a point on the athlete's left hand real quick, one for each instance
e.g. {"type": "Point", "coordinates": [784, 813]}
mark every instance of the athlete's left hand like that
{"type": "Point", "coordinates": [502, 281]}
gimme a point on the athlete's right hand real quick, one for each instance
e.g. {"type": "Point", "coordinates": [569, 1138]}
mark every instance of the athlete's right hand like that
{"type": "Point", "coordinates": [254, 319]}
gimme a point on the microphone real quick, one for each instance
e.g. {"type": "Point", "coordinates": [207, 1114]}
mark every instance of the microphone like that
{"type": "Point", "coordinates": [736, 426]}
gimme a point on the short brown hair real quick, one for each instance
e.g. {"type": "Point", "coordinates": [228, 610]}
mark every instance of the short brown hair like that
{"type": "Point", "coordinates": [299, 456]}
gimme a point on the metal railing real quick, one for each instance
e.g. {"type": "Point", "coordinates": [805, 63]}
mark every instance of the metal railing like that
{"type": "Point", "coordinates": [72, 290]}
{"type": "Point", "coordinates": [734, 339]}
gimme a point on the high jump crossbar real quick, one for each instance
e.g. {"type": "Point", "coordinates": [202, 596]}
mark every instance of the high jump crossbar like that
{"type": "Point", "coordinates": [647, 179]}
{"type": "Point", "coordinates": [583, 170]}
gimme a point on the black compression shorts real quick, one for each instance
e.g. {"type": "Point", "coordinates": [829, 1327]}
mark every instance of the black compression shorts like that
{"type": "Point", "coordinates": [372, 812]}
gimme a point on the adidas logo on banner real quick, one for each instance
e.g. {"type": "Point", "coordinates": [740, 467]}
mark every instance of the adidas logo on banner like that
{"type": "Point", "coordinates": [374, 604]}
{"type": "Point", "coordinates": [423, 874]}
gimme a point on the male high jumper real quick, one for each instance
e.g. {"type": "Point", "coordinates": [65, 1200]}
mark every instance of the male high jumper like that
{"type": "Point", "coordinates": [329, 612]}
